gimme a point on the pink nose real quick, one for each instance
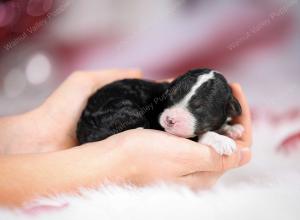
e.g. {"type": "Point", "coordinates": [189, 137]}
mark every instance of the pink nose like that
{"type": "Point", "coordinates": [170, 121]}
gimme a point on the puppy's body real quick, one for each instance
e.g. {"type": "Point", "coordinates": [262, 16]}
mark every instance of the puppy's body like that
{"type": "Point", "coordinates": [119, 106]}
{"type": "Point", "coordinates": [193, 105]}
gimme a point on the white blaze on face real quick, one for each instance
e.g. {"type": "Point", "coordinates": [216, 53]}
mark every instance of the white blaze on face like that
{"type": "Point", "coordinates": [177, 119]}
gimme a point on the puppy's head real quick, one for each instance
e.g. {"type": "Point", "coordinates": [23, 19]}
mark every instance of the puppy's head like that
{"type": "Point", "coordinates": [198, 101]}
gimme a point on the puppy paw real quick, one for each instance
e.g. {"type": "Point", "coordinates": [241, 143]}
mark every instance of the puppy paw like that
{"type": "Point", "coordinates": [221, 144]}
{"type": "Point", "coordinates": [233, 131]}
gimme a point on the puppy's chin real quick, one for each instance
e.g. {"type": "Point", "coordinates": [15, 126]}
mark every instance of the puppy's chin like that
{"type": "Point", "coordinates": [178, 121]}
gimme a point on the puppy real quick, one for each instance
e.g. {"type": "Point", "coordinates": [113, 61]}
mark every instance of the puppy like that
{"type": "Point", "coordinates": [198, 104]}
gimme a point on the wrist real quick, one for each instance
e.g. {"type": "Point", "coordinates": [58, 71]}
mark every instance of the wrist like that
{"type": "Point", "coordinates": [11, 130]}
{"type": "Point", "coordinates": [22, 134]}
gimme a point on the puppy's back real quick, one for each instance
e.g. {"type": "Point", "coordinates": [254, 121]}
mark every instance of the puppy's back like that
{"type": "Point", "coordinates": [119, 106]}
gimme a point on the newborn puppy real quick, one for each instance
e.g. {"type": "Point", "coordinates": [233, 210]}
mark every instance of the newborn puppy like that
{"type": "Point", "coordinates": [196, 104]}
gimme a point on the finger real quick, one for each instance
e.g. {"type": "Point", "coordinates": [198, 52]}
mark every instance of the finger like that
{"type": "Point", "coordinates": [207, 159]}
{"type": "Point", "coordinates": [187, 156]}
{"type": "Point", "coordinates": [222, 162]}
{"type": "Point", "coordinates": [245, 118]}
{"type": "Point", "coordinates": [190, 156]}
{"type": "Point", "coordinates": [217, 162]}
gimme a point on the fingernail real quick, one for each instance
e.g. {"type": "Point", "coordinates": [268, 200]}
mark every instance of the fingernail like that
{"type": "Point", "coordinates": [244, 156]}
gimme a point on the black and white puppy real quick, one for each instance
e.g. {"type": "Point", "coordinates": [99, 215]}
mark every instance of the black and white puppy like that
{"type": "Point", "coordinates": [196, 104]}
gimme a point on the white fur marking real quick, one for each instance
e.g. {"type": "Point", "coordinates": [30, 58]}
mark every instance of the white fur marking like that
{"type": "Point", "coordinates": [200, 81]}
{"type": "Point", "coordinates": [220, 143]}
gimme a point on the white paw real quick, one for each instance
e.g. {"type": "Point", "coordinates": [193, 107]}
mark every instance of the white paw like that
{"type": "Point", "coordinates": [234, 131]}
{"type": "Point", "coordinates": [220, 143]}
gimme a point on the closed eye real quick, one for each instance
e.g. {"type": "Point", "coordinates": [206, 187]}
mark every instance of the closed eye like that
{"type": "Point", "coordinates": [196, 104]}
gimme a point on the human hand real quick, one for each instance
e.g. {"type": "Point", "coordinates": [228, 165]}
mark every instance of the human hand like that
{"type": "Point", "coordinates": [153, 156]}
{"type": "Point", "coordinates": [138, 156]}
{"type": "Point", "coordinates": [52, 125]}
{"type": "Point", "coordinates": [64, 107]}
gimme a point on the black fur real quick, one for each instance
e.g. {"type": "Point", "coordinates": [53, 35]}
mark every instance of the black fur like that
{"type": "Point", "coordinates": [133, 103]}
{"type": "Point", "coordinates": [119, 106]}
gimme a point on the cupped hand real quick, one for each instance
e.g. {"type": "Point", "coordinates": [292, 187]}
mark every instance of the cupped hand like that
{"type": "Point", "coordinates": [63, 108]}
{"type": "Point", "coordinates": [153, 156]}
{"type": "Point", "coordinates": [148, 156]}
{"type": "Point", "coordinates": [52, 125]}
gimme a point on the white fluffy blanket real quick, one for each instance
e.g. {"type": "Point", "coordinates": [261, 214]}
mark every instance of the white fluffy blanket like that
{"type": "Point", "coordinates": [267, 188]}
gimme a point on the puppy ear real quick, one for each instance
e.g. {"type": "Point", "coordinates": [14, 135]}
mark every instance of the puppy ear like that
{"type": "Point", "coordinates": [234, 108]}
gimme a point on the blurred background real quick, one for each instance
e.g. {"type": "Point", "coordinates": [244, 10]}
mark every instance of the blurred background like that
{"type": "Point", "coordinates": [253, 42]}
